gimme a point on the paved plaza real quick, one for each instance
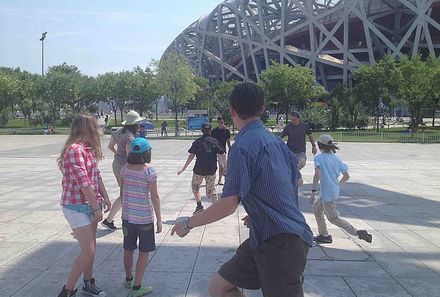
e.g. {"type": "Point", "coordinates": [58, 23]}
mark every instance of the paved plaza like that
{"type": "Point", "coordinates": [393, 193]}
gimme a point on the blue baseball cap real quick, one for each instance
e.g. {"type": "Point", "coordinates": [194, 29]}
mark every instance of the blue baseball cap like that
{"type": "Point", "coordinates": [139, 145]}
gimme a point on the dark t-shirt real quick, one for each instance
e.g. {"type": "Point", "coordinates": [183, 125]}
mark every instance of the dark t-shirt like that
{"type": "Point", "coordinates": [206, 149]}
{"type": "Point", "coordinates": [222, 135]}
{"type": "Point", "coordinates": [296, 140]}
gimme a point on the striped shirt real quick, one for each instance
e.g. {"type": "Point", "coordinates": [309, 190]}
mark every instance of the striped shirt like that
{"type": "Point", "coordinates": [80, 170]}
{"type": "Point", "coordinates": [137, 207]}
{"type": "Point", "coordinates": [263, 173]}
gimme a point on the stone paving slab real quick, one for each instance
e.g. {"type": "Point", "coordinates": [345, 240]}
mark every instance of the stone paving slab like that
{"type": "Point", "coordinates": [393, 193]}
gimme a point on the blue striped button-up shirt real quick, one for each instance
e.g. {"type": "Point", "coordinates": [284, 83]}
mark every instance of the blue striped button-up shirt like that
{"type": "Point", "coordinates": [263, 173]}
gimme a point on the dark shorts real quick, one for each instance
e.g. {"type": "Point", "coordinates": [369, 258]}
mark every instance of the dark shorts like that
{"type": "Point", "coordinates": [275, 267]}
{"type": "Point", "coordinates": [145, 233]}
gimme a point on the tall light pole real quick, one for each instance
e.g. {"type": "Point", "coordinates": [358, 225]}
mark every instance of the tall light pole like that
{"type": "Point", "coordinates": [43, 36]}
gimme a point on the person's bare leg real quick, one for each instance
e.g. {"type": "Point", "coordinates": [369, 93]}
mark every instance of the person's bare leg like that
{"type": "Point", "coordinates": [128, 263]}
{"type": "Point", "coordinates": [89, 268]}
{"type": "Point", "coordinates": [84, 235]}
{"type": "Point", "coordinates": [220, 175]}
{"type": "Point", "coordinates": [141, 265]}
{"type": "Point", "coordinates": [198, 197]}
{"type": "Point", "coordinates": [219, 287]}
{"type": "Point", "coordinates": [116, 206]}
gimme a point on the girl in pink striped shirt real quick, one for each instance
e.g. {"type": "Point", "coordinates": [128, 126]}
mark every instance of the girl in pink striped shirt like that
{"type": "Point", "coordinates": [139, 198]}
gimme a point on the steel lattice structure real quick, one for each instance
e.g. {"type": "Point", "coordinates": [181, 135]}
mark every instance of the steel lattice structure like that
{"type": "Point", "coordinates": [240, 38]}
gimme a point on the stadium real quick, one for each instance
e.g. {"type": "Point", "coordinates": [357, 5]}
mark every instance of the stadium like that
{"type": "Point", "coordinates": [241, 38]}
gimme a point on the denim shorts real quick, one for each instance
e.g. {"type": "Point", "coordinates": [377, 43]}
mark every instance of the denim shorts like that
{"type": "Point", "coordinates": [78, 219]}
{"type": "Point", "coordinates": [145, 233]}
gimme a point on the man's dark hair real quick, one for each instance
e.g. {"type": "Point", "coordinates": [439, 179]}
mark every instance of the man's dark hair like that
{"type": "Point", "coordinates": [206, 131]}
{"type": "Point", "coordinates": [295, 114]}
{"type": "Point", "coordinates": [247, 99]}
{"type": "Point", "coordinates": [142, 158]}
{"type": "Point", "coordinates": [220, 119]}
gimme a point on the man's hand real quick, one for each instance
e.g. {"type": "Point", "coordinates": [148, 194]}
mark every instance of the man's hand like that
{"type": "Point", "coordinates": [108, 205]}
{"type": "Point", "coordinates": [158, 227]}
{"type": "Point", "coordinates": [179, 229]}
{"type": "Point", "coordinates": [180, 171]}
{"type": "Point", "coordinates": [247, 221]}
{"type": "Point", "coordinates": [314, 150]}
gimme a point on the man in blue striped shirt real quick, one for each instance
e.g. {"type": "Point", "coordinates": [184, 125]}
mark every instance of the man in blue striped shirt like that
{"type": "Point", "coordinates": [262, 174]}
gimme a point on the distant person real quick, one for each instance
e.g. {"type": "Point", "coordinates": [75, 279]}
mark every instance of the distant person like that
{"type": "Point", "coordinates": [163, 128]}
{"type": "Point", "coordinates": [120, 146]}
{"type": "Point", "coordinates": [296, 132]}
{"type": "Point", "coordinates": [142, 130]}
{"type": "Point", "coordinates": [263, 176]}
{"type": "Point", "coordinates": [106, 120]}
{"type": "Point", "coordinates": [205, 149]}
{"type": "Point", "coordinates": [223, 136]}
{"type": "Point", "coordinates": [139, 198]}
{"type": "Point", "coordinates": [328, 168]}
{"type": "Point", "coordinates": [82, 199]}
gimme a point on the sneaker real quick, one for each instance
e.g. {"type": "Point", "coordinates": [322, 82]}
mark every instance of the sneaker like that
{"type": "Point", "coordinates": [142, 291]}
{"type": "Point", "coordinates": [128, 283]}
{"type": "Point", "coordinates": [363, 234]}
{"type": "Point", "coordinates": [323, 239]}
{"type": "Point", "coordinates": [198, 209]}
{"type": "Point", "coordinates": [220, 183]}
{"type": "Point", "coordinates": [66, 293]}
{"type": "Point", "coordinates": [91, 289]}
{"type": "Point", "coordinates": [108, 225]}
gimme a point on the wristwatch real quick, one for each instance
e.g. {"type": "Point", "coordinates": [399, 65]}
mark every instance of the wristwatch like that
{"type": "Point", "coordinates": [186, 224]}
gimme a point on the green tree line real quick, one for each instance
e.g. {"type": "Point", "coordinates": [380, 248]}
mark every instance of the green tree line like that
{"type": "Point", "coordinates": [373, 90]}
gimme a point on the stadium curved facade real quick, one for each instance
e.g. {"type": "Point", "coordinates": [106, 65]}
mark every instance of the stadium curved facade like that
{"type": "Point", "coordinates": [240, 38]}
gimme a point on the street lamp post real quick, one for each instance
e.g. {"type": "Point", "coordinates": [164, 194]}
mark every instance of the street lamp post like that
{"type": "Point", "coordinates": [43, 36]}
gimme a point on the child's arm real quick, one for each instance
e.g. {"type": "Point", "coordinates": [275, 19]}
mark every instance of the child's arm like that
{"type": "Point", "coordinates": [156, 204]}
{"type": "Point", "coordinates": [315, 184]}
{"type": "Point", "coordinates": [188, 161]}
{"type": "Point", "coordinates": [345, 177]}
{"type": "Point", "coordinates": [121, 187]}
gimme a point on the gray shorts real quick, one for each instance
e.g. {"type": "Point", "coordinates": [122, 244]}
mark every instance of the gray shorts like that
{"type": "Point", "coordinates": [117, 167]}
{"type": "Point", "coordinates": [300, 155]}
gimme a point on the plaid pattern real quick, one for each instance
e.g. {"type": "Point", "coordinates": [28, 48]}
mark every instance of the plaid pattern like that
{"type": "Point", "coordinates": [80, 169]}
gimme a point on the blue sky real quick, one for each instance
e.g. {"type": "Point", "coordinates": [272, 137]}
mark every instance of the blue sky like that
{"type": "Point", "coordinates": [95, 35]}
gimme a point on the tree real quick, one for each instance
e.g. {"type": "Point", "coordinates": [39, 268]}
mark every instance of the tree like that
{"type": "Point", "coordinates": [346, 110]}
{"type": "Point", "coordinates": [289, 87]}
{"type": "Point", "coordinates": [107, 91]}
{"type": "Point", "coordinates": [8, 88]}
{"type": "Point", "coordinates": [177, 82]}
{"type": "Point", "coordinates": [417, 87]}
{"type": "Point", "coordinates": [64, 85]}
{"type": "Point", "coordinates": [144, 89]}
{"type": "Point", "coordinates": [376, 85]}
{"type": "Point", "coordinates": [220, 101]}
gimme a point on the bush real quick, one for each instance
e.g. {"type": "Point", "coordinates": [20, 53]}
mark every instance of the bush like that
{"type": "Point", "coordinates": [68, 117]}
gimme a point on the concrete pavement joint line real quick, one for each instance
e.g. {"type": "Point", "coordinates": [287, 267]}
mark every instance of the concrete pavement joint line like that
{"type": "Point", "coordinates": [195, 262]}
{"type": "Point", "coordinates": [348, 285]}
{"type": "Point", "coordinates": [389, 274]}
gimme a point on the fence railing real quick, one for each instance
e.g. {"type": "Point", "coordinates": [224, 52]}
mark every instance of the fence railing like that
{"type": "Point", "coordinates": [362, 136]}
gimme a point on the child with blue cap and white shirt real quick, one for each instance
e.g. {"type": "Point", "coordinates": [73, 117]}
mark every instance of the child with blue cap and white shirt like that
{"type": "Point", "coordinates": [328, 168]}
{"type": "Point", "coordinates": [139, 198]}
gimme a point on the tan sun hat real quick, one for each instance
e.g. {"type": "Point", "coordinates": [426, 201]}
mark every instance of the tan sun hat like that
{"type": "Point", "coordinates": [132, 118]}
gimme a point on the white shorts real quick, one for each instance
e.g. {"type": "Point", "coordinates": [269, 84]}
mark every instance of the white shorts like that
{"type": "Point", "coordinates": [77, 219]}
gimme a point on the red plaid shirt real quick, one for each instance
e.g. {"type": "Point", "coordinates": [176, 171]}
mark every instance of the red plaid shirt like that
{"type": "Point", "coordinates": [80, 169]}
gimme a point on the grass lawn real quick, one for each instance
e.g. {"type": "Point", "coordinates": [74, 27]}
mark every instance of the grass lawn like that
{"type": "Point", "coordinates": [426, 134]}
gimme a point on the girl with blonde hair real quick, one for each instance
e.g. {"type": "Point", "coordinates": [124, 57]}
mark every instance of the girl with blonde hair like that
{"type": "Point", "coordinates": [82, 198]}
